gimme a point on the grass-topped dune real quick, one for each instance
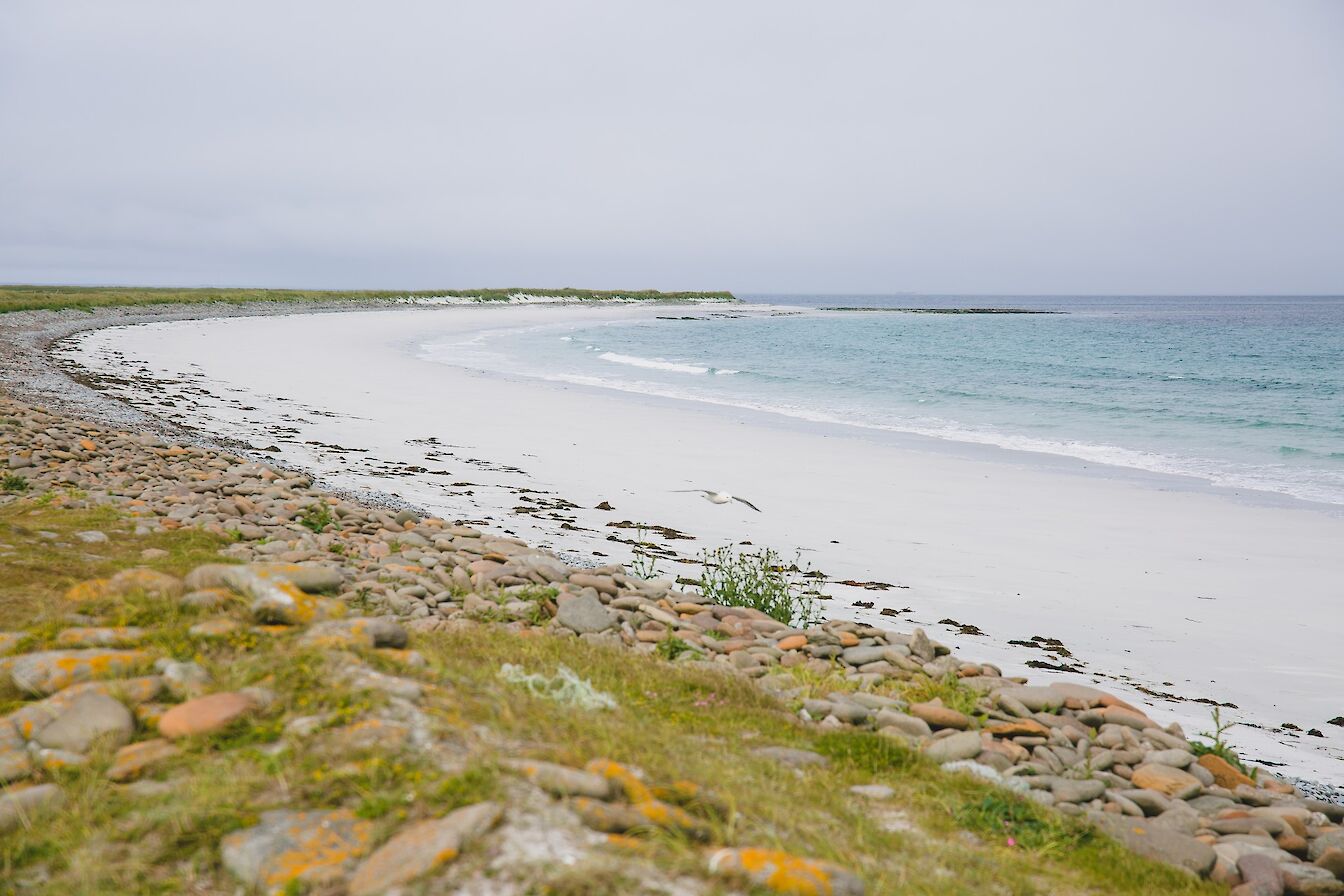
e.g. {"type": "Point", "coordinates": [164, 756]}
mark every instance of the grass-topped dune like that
{"type": "Point", "coordinates": [34, 298]}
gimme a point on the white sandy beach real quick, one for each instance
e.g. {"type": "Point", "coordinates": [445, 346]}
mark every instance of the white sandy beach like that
{"type": "Point", "coordinates": [1163, 583]}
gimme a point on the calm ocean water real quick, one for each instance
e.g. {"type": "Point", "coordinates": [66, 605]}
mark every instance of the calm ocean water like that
{"type": "Point", "coordinates": [1244, 392]}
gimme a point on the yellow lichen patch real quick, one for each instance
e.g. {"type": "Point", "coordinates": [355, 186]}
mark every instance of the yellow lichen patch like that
{"type": "Point", "coordinates": [784, 873]}
{"type": "Point", "coordinates": [411, 659]}
{"type": "Point", "coordinates": [132, 759]}
{"type": "Point", "coordinates": [87, 444]}
{"type": "Point", "coordinates": [50, 671]}
{"type": "Point", "coordinates": [144, 580]}
{"type": "Point", "coordinates": [319, 850]}
{"type": "Point", "coordinates": [86, 591]}
{"type": "Point", "coordinates": [149, 714]}
{"type": "Point", "coordinates": [113, 636]}
{"type": "Point", "coordinates": [636, 791]}
{"type": "Point", "coordinates": [672, 818]}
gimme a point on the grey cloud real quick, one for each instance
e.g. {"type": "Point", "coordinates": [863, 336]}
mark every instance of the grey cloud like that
{"type": "Point", "coordinates": [757, 146]}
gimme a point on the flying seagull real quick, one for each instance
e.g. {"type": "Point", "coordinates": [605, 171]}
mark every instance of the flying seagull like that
{"type": "Point", "coordinates": [719, 497]}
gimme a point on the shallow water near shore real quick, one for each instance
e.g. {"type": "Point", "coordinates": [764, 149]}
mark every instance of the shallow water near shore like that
{"type": "Point", "coordinates": [1154, 585]}
{"type": "Point", "coordinates": [1240, 392]}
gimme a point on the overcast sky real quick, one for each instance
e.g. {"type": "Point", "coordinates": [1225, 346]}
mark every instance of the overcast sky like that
{"type": "Point", "coordinates": [941, 146]}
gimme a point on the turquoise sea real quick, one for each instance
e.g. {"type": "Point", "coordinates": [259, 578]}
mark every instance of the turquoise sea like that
{"type": "Point", "coordinates": [1243, 392]}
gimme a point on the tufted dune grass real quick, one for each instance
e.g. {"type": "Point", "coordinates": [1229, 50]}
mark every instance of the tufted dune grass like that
{"type": "Point", "coordinates": [938, 834]}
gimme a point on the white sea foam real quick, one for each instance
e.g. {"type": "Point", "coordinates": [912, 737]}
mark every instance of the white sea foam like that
{"type": "Point", "coordinates": [653, 363]}
{"type": "Point", "coordinates": [1249, 477]}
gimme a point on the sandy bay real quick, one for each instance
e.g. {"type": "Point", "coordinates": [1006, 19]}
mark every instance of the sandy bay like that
{"type": "Point", "coordinates": [1162, 583]}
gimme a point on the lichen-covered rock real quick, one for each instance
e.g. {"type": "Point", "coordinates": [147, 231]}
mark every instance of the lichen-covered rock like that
{"type": "Point", "coordinates": [311, 848]}
{"type": "Point", "coordinates": [360, 632]}
{"type": "Point", "coordinates": [419, 848]}
{"type": "Point", "coordinates": [115, 636]}
{"type": "Point", "coordinates": [133, 759]}
{"type": "Point", "coordinates": [784, 873]}
{"type": "Point", "coordinates": [89, 720]}
{"type": "Point", "coordinates": [561, 780]}
{"type": "Point", "coordinates": [49, 671]}
{"type": "Point", "coordinates": [277, 600]}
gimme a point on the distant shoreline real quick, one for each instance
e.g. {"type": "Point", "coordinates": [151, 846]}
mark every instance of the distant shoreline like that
{"type": "Point", "coordinates": [20, 297]}
{"type": "Point", "coordinates": [943, 310]}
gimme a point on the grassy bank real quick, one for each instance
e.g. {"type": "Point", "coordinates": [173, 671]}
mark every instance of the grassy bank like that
{"type": "Point", "coordinates": [937, 833]}
{"type": "Point", "coordinates": [32, 298]}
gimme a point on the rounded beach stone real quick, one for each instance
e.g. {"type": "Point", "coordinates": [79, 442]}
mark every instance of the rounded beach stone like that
{"type": "Point", "coordinates": [1167, 780]}
{"type": "Point", "coordinates": [584, 614]}
{"type": "Point", "coordinates": [940, 716]}
{"type": "Point", "coordinates": [1225, 774]}
{"type": "Point", "coordinates": [205, 715]}
{"type": "Point", "coordinates": [1068, 791]}
{"type": "Point", "coordinates": [90, 719]}
{"type": "Point", "coordinates": [962, 745]}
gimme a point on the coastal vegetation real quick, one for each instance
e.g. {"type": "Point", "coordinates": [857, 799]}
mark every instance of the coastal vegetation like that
{"type": "Point", "coordinates": [213, 673]}
{"type": "Point", "coordinates": [32, 298]}
{"type": "Point", "coordinates": [676, 722]}
{"type": "Point", "coordinates": [761, 581]}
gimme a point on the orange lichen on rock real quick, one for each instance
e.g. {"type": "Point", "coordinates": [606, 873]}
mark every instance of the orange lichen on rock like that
{"type": "Point", "coordinates": [635, 790]}
{"type": "Point", "coordinates": [49, 671]}
{"type": "Point", "coordinates": [305, 847]}
{"type": "Point", "coordinates": [784, 873]}
{"type": "Point", "coordinates": [133, 759]}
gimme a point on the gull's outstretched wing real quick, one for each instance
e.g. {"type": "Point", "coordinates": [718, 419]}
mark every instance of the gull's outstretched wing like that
{"type": "Point", "coordinates": [748, 503]}
{"type": "Point", "coordinates": [698, 491]}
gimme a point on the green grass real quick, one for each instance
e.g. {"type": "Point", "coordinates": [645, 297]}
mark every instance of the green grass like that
{"type": "Point", "coordinates": [29, 298]}
{"type": "Point", "coordinates": [675, 722]}
{"type": "Point", "coordinates": [13, 484]}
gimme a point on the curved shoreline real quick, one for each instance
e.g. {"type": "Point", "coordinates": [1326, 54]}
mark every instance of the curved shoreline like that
{"type": "Point", "coordinates": [498, 454]}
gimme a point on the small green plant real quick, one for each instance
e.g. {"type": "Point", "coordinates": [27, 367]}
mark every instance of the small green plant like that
{"type": "Point", "coordinates": [13, 484]}
{"type": "Point", "coordinates": [644, 565]}
{"type": "Point", "coordinates": [761, 581]}
{"type": "Point", "coordinates": [1021, 824]}
{"type": "Point", "coordinates": [316, 517]}
{"type": "Point", "coordinates": [672, 647]}
{"type": "Point", "coordinates": [1219, 747]}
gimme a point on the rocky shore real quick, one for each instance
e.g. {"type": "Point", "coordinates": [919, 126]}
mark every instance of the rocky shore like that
{"type": "Point", "coordinates": [138, 671]}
